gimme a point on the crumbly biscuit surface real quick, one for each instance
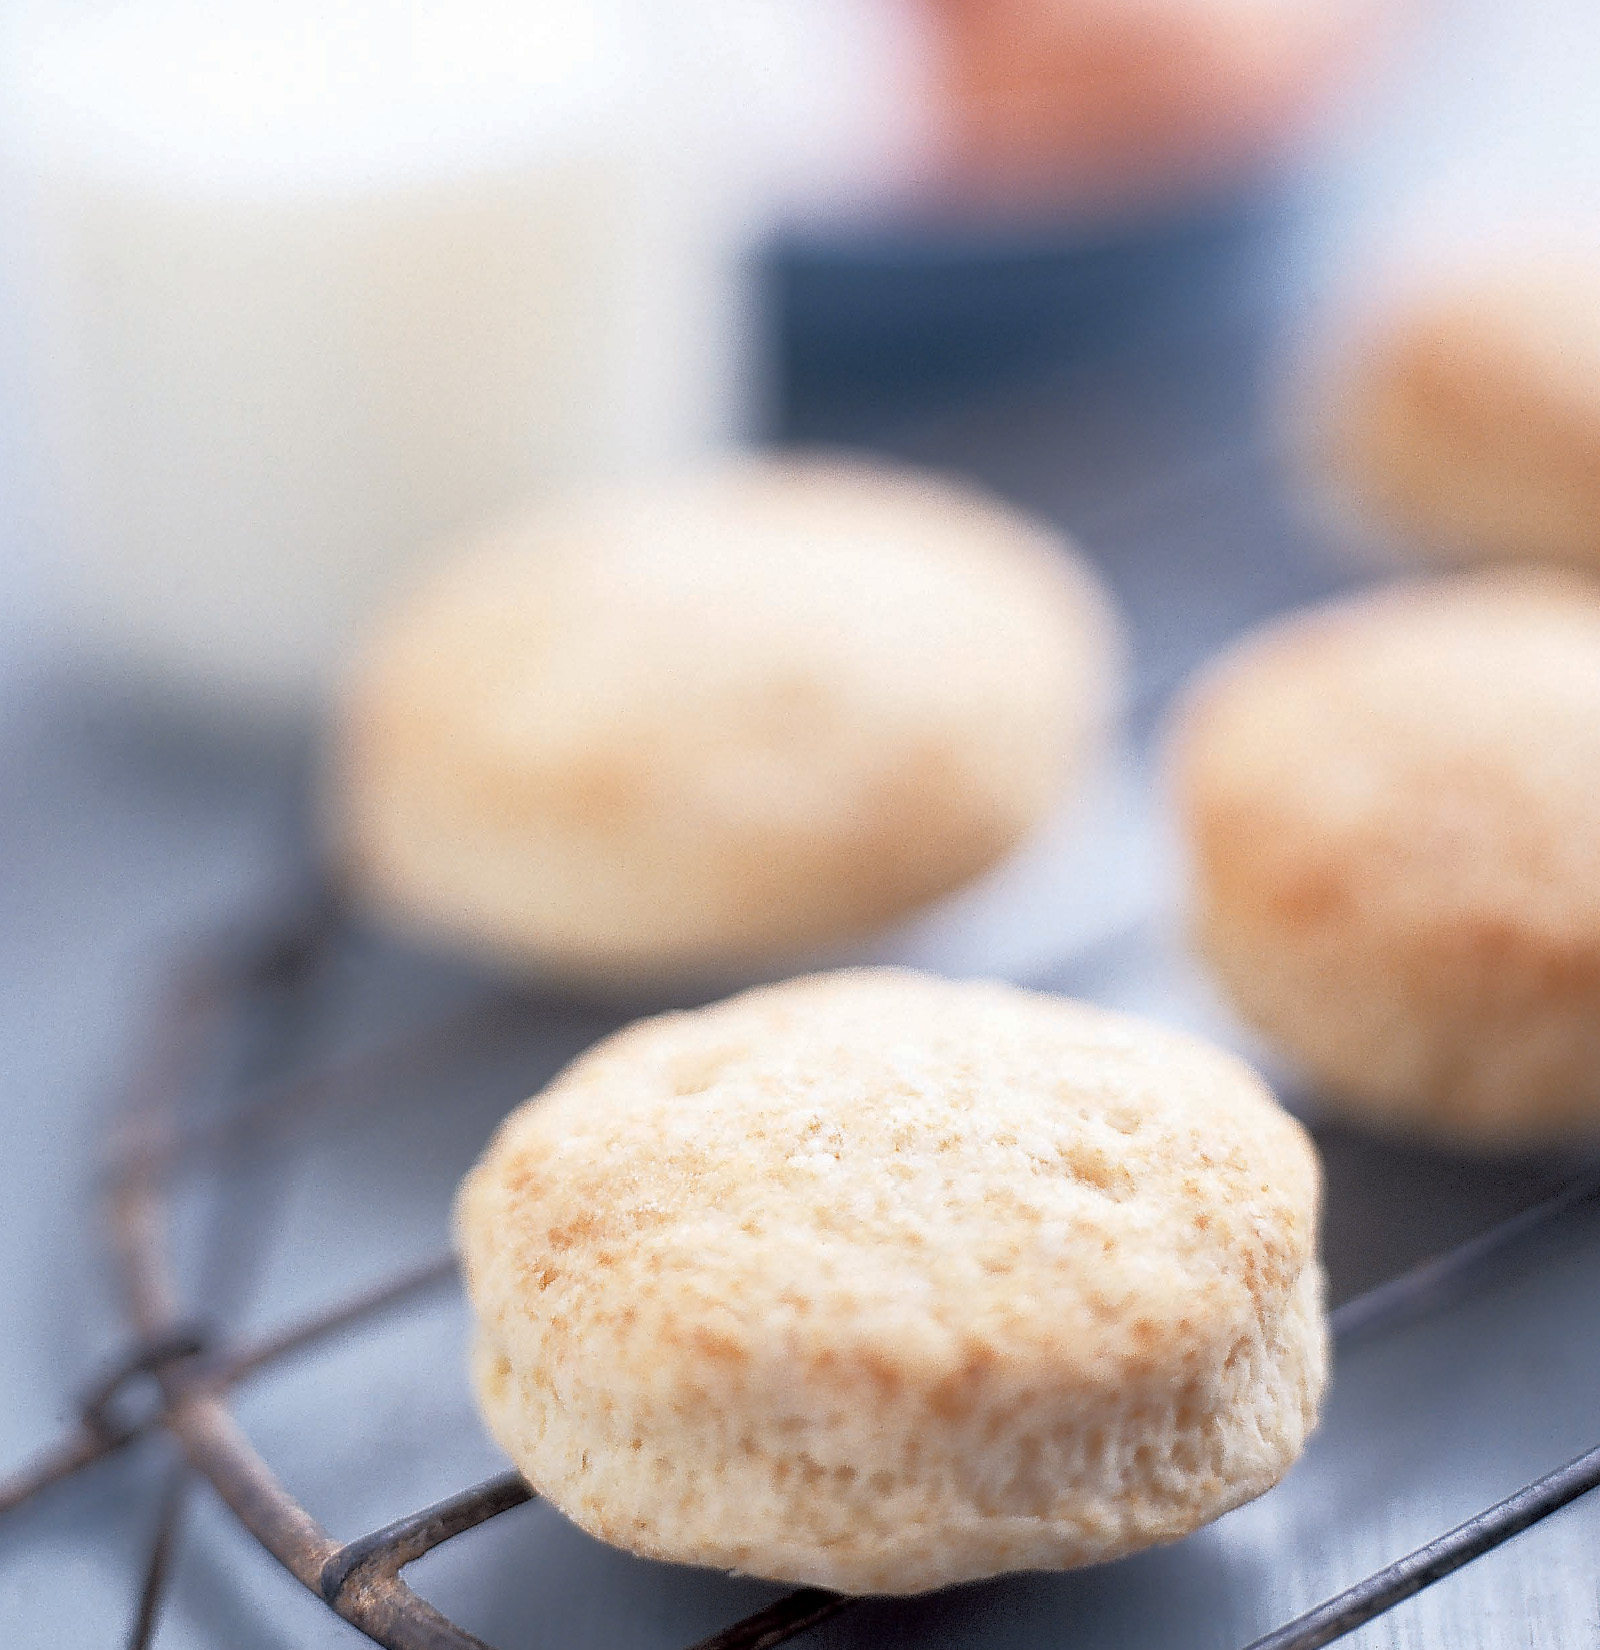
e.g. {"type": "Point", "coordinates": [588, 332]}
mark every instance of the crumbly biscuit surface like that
{"type": "Point", "coordinates": [1394, 814]}
{"type": "Point", "coordinates": [881, 1283]}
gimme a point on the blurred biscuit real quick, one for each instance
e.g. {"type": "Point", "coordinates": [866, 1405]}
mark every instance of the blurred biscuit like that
{"type": "Point", "coordinates": [698, 728]}
{"type": "Point", "coordinates": [1393, 811]}
{"type": "Point", "coordinates": [881, 1282]}
{"type": "Point", "coordinates": [1462, 420]}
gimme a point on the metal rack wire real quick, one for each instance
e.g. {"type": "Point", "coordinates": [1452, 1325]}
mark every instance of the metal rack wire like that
{"type": "Point", "coordinates": [176, 1377]}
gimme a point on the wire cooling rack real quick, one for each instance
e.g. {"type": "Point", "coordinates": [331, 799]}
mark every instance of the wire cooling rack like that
{"type": "Point", "coordinates": [175, 1376]}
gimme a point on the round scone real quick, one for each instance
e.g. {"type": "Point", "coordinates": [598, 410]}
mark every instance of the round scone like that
{"type": "Point", "coordinates": [1462, 420]}
{"type": "Point", "coordinates": [710, 725]}
{"type": "Point", "coordinates": [880, 1282]}
{"type": "Point", "coordinates": [1393, 813]}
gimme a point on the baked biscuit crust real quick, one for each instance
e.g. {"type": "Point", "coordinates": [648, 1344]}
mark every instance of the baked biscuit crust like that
{"type": "Point", "coordinates": [1393, 812]}
{"type": "Point", "coordinates": [699, 728]}
{"type": "Point", "coordinates": [880, 1283]}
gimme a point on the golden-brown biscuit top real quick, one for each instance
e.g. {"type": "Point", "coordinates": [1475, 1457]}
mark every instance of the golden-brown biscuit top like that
{"type": "Point", "coordinates": [1432, 750]}
{"type": "Point", "coordinates": [879, 1177]}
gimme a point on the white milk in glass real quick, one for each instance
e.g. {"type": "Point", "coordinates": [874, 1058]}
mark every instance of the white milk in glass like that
{"type": "Point", "coordinates": [310, 289]}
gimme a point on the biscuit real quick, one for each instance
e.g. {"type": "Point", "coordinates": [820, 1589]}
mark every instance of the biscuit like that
{"type": "Point", "coordinates": [1392, 808]}
{"type": "Point", "coordinates": [882, 1282]}
{"type": "Point", "coordinates": [1462, 421]}
{"type": "Point", "coordinates": [697, 729]}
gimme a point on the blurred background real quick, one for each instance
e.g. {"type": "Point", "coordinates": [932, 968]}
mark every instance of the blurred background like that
{"type": "Point", "coordinates": [295, 297]}
{"type": "Point", "coordinates": [294, 300]}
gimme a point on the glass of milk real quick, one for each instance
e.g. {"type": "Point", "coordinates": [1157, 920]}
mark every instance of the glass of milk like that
{"type": "Point", "coordinates": [310, 288]}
